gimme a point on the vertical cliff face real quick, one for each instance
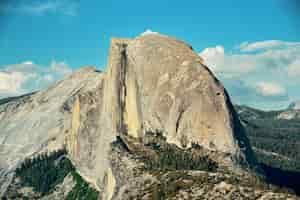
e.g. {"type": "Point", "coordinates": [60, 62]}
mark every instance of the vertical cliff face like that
{"type": "Point", "coordinates": [158, 83]}
{"type": "Point", "coordinates": [132, 111]}
{"type": "Point", "coordinates": [84, 134]}
{"type": "Point", "coordinates": [75, 125]}
{"type": "Point", "coordinates": [96, 124]}
{"type": "Point", "coordinates": [121, 92]}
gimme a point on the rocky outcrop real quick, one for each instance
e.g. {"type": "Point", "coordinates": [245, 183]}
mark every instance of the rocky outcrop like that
{"type": "Point", "coordinates": [177, 94]}
{"type": "Point", "coordinates": [153, 82]}
{"type": "Point", "coordinates": [156, 82]}
{"type": "Point", "coordinates": [136, 181]}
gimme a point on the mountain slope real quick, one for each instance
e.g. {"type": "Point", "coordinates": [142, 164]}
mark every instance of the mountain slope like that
{"type": "Point", "coordinates": [275, 140]}
{"type": "Point", "coordinates": [35, 123]}
{"type": "Point", "coordinates": [276, 143]}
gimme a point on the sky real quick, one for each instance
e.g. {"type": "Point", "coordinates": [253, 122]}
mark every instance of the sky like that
{"type": "Point", "coordinates": [253, 47]}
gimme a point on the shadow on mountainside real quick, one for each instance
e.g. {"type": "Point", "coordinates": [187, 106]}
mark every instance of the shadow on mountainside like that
{"type": "Point", "coordinates": [283, 178]}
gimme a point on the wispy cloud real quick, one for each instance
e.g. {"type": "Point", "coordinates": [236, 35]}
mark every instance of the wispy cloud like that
{"type": "Point", "coordinates": [294, 69]}
{"type": "Point", "coordinates": [272, 55]}
{"type": "Point", "coordinates": [270, 89]}
{"type": "Point", "coordinates": [25, 77]}
{"type": "Point", "coordinates": [39, 7]}
{"type": "Point", "coordinates": [266, 45]}
{"type": "Point", "coordinates": [268, 70]}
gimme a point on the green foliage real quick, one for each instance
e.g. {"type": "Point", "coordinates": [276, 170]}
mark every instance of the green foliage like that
{"type": "Point", "coordinates": [278, 136]}
{"type": "Point", "coordinates": [82, 190]}
{"type": "Point", "coordinates": [44, 172]}
{"type": "Point", "coordinates": [173, 158]}
{"type": "Point", "coordinates": [273, 135]}
{"type": "Point", "coordinates": [170, 157]}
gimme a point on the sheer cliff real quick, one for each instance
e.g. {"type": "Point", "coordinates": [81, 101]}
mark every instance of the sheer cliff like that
{"type": "Point", "coordinates": [153, 83]}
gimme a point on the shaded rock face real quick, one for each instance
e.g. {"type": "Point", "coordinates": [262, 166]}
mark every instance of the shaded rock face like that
{"type": "Point", "coordinates": [153, 83]}
{"type": "Point", "coordinates": [160, 83]}
{"type": "Point", "coordinates": [176, 94]}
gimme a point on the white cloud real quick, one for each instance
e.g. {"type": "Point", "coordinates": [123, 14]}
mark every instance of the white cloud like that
{"type": "Point", "coordinates": [39, 7]}
{"type": "Point", "coordinates": [25, 77]}
{"type": "Point", "coordinates": [266, 45]}
{"type": "Point", "coordinates": [238, 64]}
{"type": "Point", "coordinates": [294, 69]}
{"type": "Point", "coordinates": [228, 65]}
{"type": "Point", "coordinates": [11, 82]}
{"type": "Point", "coordinates": [148, 32]}
{"type": "Point", "coordinates": [269, 70]}
{"type": "Point", "coordinates": [60, 67]}
{"type": "Point", "coordinates": [28, 63]}
{"type": "Point", "coordinates": [270, 89]}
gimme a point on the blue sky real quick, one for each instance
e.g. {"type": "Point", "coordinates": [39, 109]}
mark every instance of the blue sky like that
{"type": "Point", "coordinates": [45, 40]}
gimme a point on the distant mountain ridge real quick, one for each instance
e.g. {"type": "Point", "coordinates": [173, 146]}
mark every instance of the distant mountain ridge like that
{"type": "Point", "coordinates": [285, 114]}
{"type": "Point", "coordinates": [295, 105]}
{"type": "Point", "coordinates": [272, 136]}
{"type": "Point", "coordinates": [275, 138]}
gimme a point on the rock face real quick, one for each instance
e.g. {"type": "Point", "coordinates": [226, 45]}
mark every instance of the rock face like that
{"type": "Point", "coordinates": [153, 82]}
{"type": "Point", "coordinates": [174, 92]}
{"type": "Point", "coordinates": [167, 87]}
{"type": "Point", "coordinates": [156, 83]}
